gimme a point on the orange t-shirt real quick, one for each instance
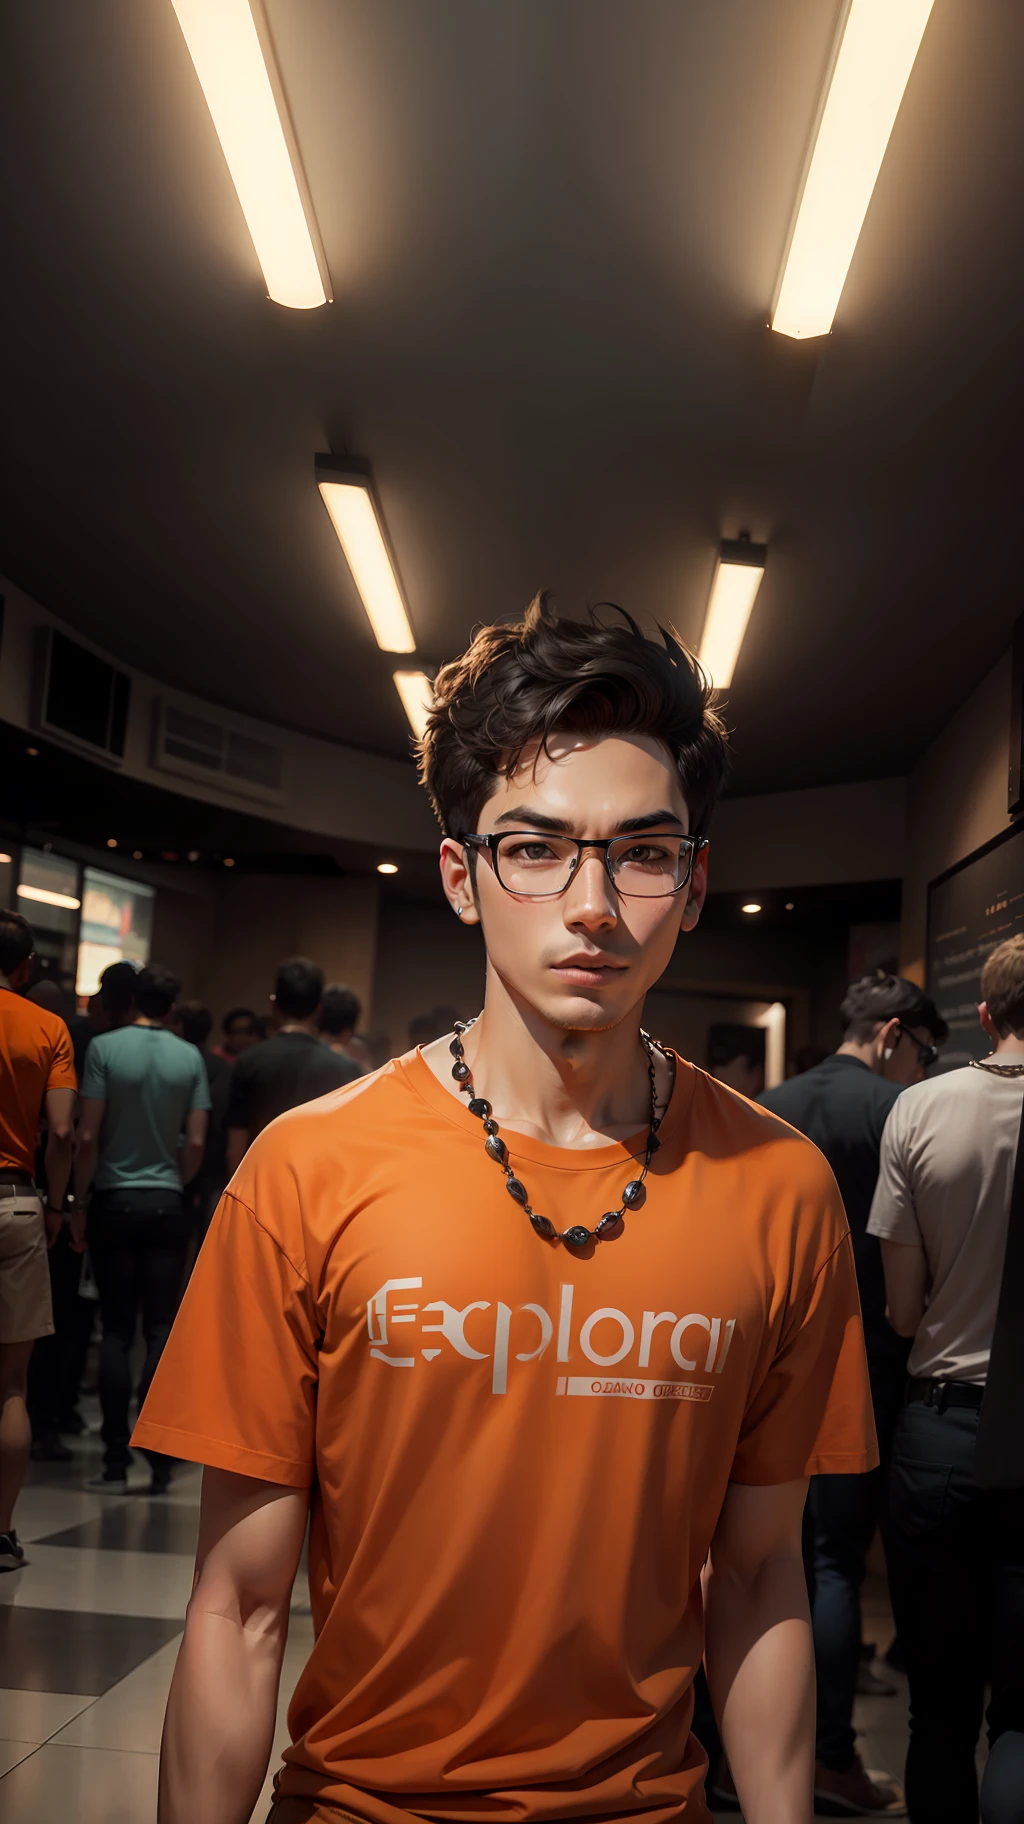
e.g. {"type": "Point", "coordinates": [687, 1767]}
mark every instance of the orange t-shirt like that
{"type": "Point", "coordinates": [517, 1457]}
{"type": "Point", "coordinates": [36, 1054]}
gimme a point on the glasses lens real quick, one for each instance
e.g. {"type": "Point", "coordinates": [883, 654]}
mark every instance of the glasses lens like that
{"type": "Point", "coordinates": [534, 865]}
{"type": "Point", "coordinates": [648, 867]}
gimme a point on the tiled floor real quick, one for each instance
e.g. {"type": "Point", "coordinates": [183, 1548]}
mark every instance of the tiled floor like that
{"type": "Point", "coordinates": [89, 1633]}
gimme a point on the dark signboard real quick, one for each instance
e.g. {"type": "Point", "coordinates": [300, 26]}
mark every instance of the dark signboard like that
{"type": "Point", "coordinates": [971, 909]}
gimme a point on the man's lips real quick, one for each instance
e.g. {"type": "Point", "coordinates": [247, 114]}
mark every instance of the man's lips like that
{"type": "Point", "coordinates": [588, 970]}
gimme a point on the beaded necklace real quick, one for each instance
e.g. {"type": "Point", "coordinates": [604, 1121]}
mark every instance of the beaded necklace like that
{"type": "Point", "coordinates": [577, 1236]}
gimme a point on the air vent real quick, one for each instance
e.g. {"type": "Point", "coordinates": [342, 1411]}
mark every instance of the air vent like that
{"type": "Point", "coordinates": [81, 698]}
{"type": "Point", "coordinates": [197, 747]}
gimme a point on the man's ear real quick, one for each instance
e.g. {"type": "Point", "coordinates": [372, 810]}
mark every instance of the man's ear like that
{"type": "Point", "coordinates": [988, 1024]}
{"type": "Point", "coordinates": [457, 881]}
{"type": "Point", "coordinates": [887, 1038]}
{"type": "Point", "coordinates": [697, 891]}
{"type": "Point", "coordinates": [20, 973]}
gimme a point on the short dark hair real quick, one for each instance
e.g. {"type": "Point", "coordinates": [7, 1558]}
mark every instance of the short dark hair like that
{"type": "Point", "coordinates": [1002, 986]}
{"type": "Point", "coordinates": [17, 940]}
{"type": "Point", "coordinates": [196, 1022]}
{"type": "Point", "coordinates": [873, 999]}
{"type": "Point", "coordinates": [117, 986]}
{"type": "Point", "coordinates": [238, 1013]}
{"type": "Point", "coordinates": [298, 985]}
{"type": "Point", "coordinates": [340, 1009]}
{"type": "Point", "coordinates": [522, 683]}
{"type": "Point", "coordinates": [156, 990]}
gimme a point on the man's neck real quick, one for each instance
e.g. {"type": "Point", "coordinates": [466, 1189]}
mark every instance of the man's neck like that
{"type": "Point", "coordinates": [307, 1026]}
{"type": "Point", "coordinates": [565, 1087]}
{"type": "Point", "coordinates": [5, 983]}
{"type": "Point", "coordinates": [1009, 1050]}
{"type": "Point", "coordinates": [864, 1053]}
{"type": "Point", "coordinates": [143, 1019]}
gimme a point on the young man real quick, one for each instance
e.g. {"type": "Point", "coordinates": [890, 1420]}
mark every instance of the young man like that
{"type": "Point", "coordinates": [290, 1067]}
{"type": "Point", "coordinates": [339, 1014]}
{"type": "Point", "coordinates": [891, 1029]}
{"type": "Point", "coordinates": [141, 1139]}
{"type": "Point", "coordinates": [941, 1212]}
{"type": "Point", "coordinates": [37, 1075]}
{"type": "Point", "coordinates": [522, 1426]}
{"type": "Point", "coordinates": [240, 1034]}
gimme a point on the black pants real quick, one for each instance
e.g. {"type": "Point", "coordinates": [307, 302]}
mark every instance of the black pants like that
{"type": "Point", "coordinates": [842, 1515]}
{"type": "Point", "coordinates": [138, 1242]}
{"type": "Point", "coordinates": [956, 1558]}
{"type": "Point", "coordinates": [58, 1361]}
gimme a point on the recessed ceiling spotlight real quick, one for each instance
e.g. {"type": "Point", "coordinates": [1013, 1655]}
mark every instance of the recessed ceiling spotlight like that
{"type": "Point", "coordinates": [346, 488]}
{"type": "Point", "coordinates": [193, 854]}
{"type": "Point", "coordinates": [869, 69]}
{"type": "Point", "coordinates": [417, 694]}
{"type": "Point", "coordinates": [32, 752]}
{"type": "Point", "coordinates": [733, 593]}
{"type": "Point", "coordinates": [789, 905]}
{"type": "Point", "coordinates": [387, 867]}
{"type": "Point", "coordinates": [751, 907]}
{"type": "Point", "coordinates": [136, 854]}
{"type": "Point", "coordinates": [229, 861]}
{"type": "Point", "coordinates": [229, 43]}
{"type": "Point", "coordinates": [111, 842]}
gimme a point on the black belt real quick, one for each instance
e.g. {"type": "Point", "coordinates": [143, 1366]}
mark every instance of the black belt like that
{"type": "Point", "coordinates": [946, 1393]}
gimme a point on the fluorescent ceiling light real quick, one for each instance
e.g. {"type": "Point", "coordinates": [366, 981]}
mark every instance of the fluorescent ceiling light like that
{"type": "Point", "coordinates": [347, 490]}
{"type": "Point", "coordinates": [872, 58]}
{"type": "Point", "coordinates": [44, 897]}
{"type": "Point", "coordinates": [417, 694]}
{"type": "Point", "coordinates": [229, 43]}
{"type": "Point", "coordinates": [733, 593]}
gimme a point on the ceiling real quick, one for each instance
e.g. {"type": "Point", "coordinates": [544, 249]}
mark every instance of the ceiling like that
{"type": "Point", "coordinates": [554, 229]}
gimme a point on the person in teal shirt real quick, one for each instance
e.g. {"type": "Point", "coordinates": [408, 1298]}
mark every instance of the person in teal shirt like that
{"type": "Point", "coordinates": [145, 1106]}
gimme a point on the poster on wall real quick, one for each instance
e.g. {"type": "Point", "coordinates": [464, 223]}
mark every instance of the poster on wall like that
{"type": "Point", "coordinates": [971, 909]}
{"type": "Point", "coordinates": [116, 927]}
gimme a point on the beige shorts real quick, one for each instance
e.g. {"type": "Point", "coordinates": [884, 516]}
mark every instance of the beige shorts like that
{"type": "Point", "coordinates": [26, 1311]}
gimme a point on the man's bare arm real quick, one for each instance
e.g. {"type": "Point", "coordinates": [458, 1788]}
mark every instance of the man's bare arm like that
{"type": "Point", "coordinates": [221, 1711]}
{"type": "Point", "coordinates": [760, 1661]}
{"type": "Point", "coordinates": [905, 1265]}
{"type": "Point", "coordinates": [196, 1123]}
{"type": "Point", "coordinates": [60, 1125]}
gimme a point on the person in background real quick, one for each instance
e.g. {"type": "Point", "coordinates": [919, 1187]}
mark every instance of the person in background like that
{"type": "Point", "coordinates": [890, 1032]}
{"type": "Point", "coordinates": [941, 1214]}
{"type": "Point", "coordinates": [290, 1067]}
{"type": "Point", "coordinates": [50, 995]}
{"type": "Point", "coordinates": [736, 1057]}
{"type": "Point", "coordinates": [37, 1076]}
{"type": "Point", "coordinates": [340, 1013]}
{"type": "Point", "coordinates": [241, 1030]}
{"type": "Point", "coordinates": [142, 1091]}
{"type": "Point", "coordinates": [808, 1057]}
{"type": "Point", "coordinates": [194, 1023]}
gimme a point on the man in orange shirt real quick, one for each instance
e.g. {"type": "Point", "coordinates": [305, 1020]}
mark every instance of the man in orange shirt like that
{"type": "Point", "coordinates": [541, 1327]}
{"type": "Point", "coordinates": [37, 1070]}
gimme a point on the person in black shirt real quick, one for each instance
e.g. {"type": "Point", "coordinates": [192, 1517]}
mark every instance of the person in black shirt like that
{"type": "Point", "coordinates": [290, 1067]}
{"type": "Point", "coordinates": [890, 1032]}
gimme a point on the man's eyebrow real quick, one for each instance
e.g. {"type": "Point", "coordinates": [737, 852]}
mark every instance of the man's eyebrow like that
{"type": "Point", "coordinates": [522, 818]}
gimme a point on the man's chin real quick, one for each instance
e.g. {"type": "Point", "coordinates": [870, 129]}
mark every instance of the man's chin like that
{"type": "Point", "coordinates": [583, 1010]}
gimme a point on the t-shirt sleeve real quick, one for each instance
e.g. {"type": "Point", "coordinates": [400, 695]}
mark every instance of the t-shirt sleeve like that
{"type": "Point", "coordinates": [236, 1385]}
{"type": "Point", "coordinates": [238, 1110]}
{"type": "Point", "coordinates": [62, 1063]}
{"type": "Point", "coordinates": [200, 1097]}
{"type": "Point", "coordinates": [893, 1216]}
{"type": "Point", "coordinates": [809, 1411]}
{"type": "Point", "coordinates": [94, 1073]}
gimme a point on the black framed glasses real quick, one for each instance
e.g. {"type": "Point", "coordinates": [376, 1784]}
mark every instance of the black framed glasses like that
{"type": "Point", "coordinates": [533, 864]}
{"type": "Point", "coordinates": [927, 1054]}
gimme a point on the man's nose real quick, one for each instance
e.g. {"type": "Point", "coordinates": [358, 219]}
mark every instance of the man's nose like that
{"type": "Point", "coordinates": [591, 897]}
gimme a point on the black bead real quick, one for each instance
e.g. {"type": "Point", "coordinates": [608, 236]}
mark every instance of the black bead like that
{"type": "Point", "coordinates": [577, 1236]}
{"type": "Point", "coordinates": [612, 1219]}
{"type": "Point", "coordinates": [458, 1025]}
{"type": "Point", "coordinates": [543, 1226]}
{"type": "Point", "coordinates": [456, 1048]}
{"type": "Point", "coordinates": [479, 1106]}
{"type": "Point", "coordinates": [497, 1149]}
{"type": "Point", "coordinates": [460, 1072]}
{"type": "Point", "coordinates": [490, 1126]}
{"type": "Point", "coordinates": [516, 1188]}
{"type": "Point", "coordinates": [633, 1193]}
{"type": "Point", "coordinates": [653, 1144]}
